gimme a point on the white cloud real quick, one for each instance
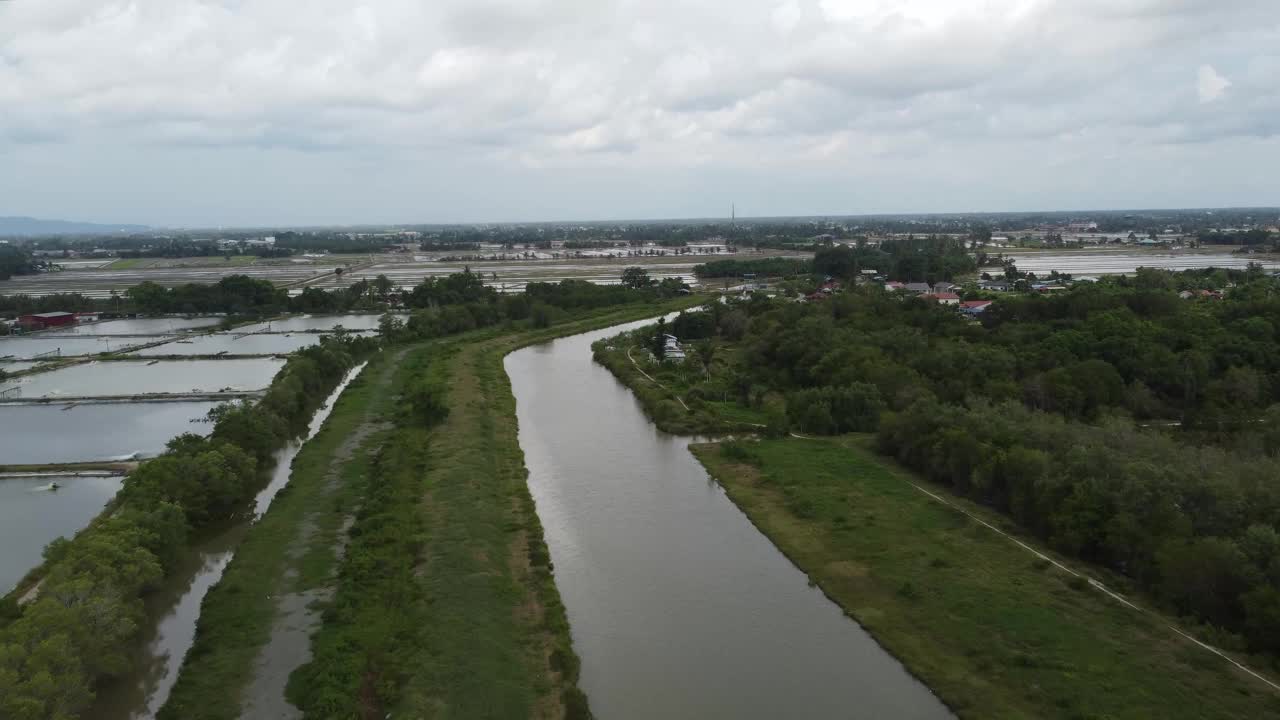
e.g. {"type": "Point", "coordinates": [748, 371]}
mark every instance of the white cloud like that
{"type": "Point", "coordinates": [706, 93]}
{"type": "Point", "coordinates": [1209, 84]}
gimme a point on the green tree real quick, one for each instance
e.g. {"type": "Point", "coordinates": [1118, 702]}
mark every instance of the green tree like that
{"type": "Point", "coordinates": [636, 278]}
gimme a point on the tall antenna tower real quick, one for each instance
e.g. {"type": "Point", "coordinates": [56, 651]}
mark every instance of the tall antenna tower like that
{"type": "Point", "coordinates": [733, 215]}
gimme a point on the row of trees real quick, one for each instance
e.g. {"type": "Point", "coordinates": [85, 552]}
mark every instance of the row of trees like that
{"type": "Point", "coordinates": [764, 267]}
{"type": "Point", "coordinates": [15, 262]}
{"type": "Point", "coordinates": [1193, 525]}
{"type": "Point", "coordinates": [928, 259]}
{"type": "Point", "coordinates": [81, 627]}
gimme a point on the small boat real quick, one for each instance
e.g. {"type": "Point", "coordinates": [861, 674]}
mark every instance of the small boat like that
{"type": "Point", "coordinates": [54, 486]}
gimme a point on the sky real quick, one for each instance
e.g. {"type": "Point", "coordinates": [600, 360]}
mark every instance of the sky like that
{"type": "Point", "coordinates": [277, 112]}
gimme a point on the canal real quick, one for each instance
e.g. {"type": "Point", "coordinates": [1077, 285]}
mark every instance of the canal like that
{"type": "Point", "coordinates": [679, 607]}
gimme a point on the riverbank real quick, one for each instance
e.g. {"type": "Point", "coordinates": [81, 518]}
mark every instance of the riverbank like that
{"type": "Point", "coordinates": [991, 628]}
{"type": "Point", "coordinates": [439, 599]}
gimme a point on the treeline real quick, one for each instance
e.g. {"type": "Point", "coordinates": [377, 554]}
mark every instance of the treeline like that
{"type": "Point", "coordinates": [1194, 526]}
{"type": "Point", "coordinates": [332, 242]}
{"type": "Point", "coordinates": [1039, 410]}
{"type": "Point", "coordinates": [1098, 349]}
{"type": "Point", "coordinates": [764, 267]}
{"type": "Point", "coordinates": [1253, 237]}
{"type": "Point", "coordinates": [81, 628]}
{"type": "Point", "coordinates": [928, 259]}
{"type": "Point", "coordinates": [15, 262]}
{"type": "Point", "coordinates": [461, 302]}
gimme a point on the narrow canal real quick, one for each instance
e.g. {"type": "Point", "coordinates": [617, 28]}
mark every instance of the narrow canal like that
{"type": "Point", "coordinates": [175, 608]}
{"type": "Point", "coordinates": [680, 608]}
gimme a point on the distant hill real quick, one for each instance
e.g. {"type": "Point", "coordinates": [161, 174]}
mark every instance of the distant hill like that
{"type": "Point", "coordinates": [26, 226]}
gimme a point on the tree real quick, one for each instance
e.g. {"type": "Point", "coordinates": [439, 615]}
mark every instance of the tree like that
{"type": "Point", "coordinates": [706, 352]}
{"type": "Point", "coordinates": [382, 286]}
{"type": "Point", "coordinates": [636, 278]}
{"type": "Point", "coordinates": [658, 343]}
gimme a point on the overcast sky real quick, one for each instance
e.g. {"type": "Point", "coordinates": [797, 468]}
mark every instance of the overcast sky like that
{"type": "Point", "coordinates": [235, 112]}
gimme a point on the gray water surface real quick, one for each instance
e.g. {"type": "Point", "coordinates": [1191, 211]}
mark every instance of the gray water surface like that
{"type": "Point", "coordinates": [97, 378]}
{"type": "Point", "coordinates": [32, 515]}
{"type": "Point", "coordinates": [39, 434]}
{"type": "Point", "coordinates": [679, 607]}
{"type": "Point", "coordinates": [234, 344]}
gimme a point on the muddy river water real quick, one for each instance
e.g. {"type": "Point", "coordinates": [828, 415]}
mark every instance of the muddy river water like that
{"type": "Point", "coordinates": [679, 607]}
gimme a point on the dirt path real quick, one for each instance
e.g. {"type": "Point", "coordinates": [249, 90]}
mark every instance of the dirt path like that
{"type": "Point", "coordinates": [1094, 583]}
{"type": "Point", "coordinates": [297, 616]}
{"type": "Point", "coordinates": [655, 382]}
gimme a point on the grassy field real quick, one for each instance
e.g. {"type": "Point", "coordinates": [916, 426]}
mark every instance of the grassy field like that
{"type": "Point", "coordinates": [237, 614]}
{"type": "Point", "coordinates": [994, 631]}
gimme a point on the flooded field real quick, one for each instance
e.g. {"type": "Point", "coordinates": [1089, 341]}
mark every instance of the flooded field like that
{"type": "Point", "coordinates": [136, 326]}
{"type": "Point", "coordinates": [42, 434]}
{"type": "Point", "coordinates": [513, 275]}
{"type": "Point", "coordinates": [233, 344]}
{"type": "Point", "coordinates": [99, 282]}
{"type": "Point", "coordinates": [32, 515]}
{"type": "Point", "coordinates": [1126, 261]}
{"type": "Point", "coordinates": [13, 367]}
{"type": "Point", "coordinates": [31, 346]}
{"type": "Point", "coordinates": [314, 322]}
{"type": "Point", "coordinates": [96, 379]}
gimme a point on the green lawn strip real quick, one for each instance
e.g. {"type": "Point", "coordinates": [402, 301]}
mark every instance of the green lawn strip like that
{"type": "Point", "coordinates": [445, 605]}
{"type": "Point", "coordinates": [130, 263]}
{"type": "Point", "coordinates": [993, 631]}
{"type": "Point", "coordinates": [495, 639]}
{"type": "Point", "coordinates": [237, 614]}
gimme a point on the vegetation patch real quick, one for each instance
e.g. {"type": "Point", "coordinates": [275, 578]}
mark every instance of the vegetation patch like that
{"type": "Point", "coordinates": [992, 632]}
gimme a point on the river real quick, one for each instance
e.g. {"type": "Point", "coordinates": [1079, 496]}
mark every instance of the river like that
{"type": "Point", "coordinates": [175, 608]}
{"type": "Point", "coordinates": [679, 607]}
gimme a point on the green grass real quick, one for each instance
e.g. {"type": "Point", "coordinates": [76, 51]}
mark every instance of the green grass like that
{"type": "Point", "coordinates": [237, 614]}
{"type": "Point", "coordinates": [994, 632]}
{"type": "Point", "coordinates": [131, 263]}
{"type": "Point", "coordinates": [661, 400]}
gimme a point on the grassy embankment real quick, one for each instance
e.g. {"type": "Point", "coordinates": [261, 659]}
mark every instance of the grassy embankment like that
{"type": "Point", "coordinates": [993, 630]}
{"type": "Point", "coordinates": [237, 614]}
{"type": "Point", "coordinates": [474, 627]}
{"type": "Point", "coordinates": [445, 603]}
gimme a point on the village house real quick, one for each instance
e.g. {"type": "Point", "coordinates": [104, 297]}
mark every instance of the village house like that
{"type": "Point", "coordinates": [674, 352]}
{"type": "Point", "coordinates": [975, 307]}
{"type": "Point", "coordinates": [943, 298]}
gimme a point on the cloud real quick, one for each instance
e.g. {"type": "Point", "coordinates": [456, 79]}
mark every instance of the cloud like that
{"type": "Point", "coordinates": [657, 88]}
{"type": "Point", "coordinates": [1209, 84]}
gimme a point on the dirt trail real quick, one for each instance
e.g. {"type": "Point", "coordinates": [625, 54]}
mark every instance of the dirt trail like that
{"type": "Point", "coordinates": [289, 646]}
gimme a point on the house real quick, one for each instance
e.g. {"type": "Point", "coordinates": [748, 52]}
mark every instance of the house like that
{"type": "Point", "coordinates": [994, 285]}
{"type": "Point", "coordinates": [943, 298]}
{"type": "Point", "coordinates": [894, 285]}
{"type": "Point", "coordinates": [975, 307]}
{"type": "Point", "coordinates": [673, 352]}
{"type": "Point", "coordinates": [1186, 294]}
{"type": "Point", "coordinates": [944, 287]}
{"type": "Point", "coordinates": [40, 321]}
{"type": "Point", "coordinates": [918, 288]}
